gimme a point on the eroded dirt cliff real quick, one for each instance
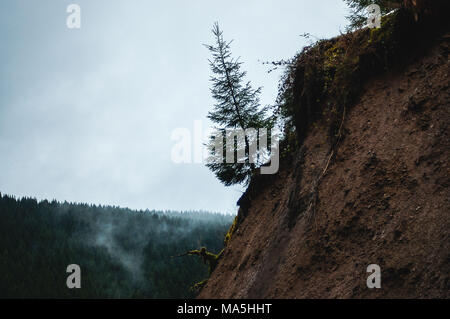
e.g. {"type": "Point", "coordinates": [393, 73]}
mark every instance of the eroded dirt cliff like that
{"type": "Point", "coordinates": [383, 199]}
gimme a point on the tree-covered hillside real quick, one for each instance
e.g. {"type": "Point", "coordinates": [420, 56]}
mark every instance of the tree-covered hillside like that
{"type": "Point", "coordinates": [121, 253]}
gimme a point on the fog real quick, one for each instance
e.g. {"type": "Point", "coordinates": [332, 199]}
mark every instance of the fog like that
{"type": "Point", "coordinates": [86, 114]}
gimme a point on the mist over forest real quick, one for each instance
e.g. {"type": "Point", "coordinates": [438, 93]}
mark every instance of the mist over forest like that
{"type": "Point", "coordinates": [122, 253]}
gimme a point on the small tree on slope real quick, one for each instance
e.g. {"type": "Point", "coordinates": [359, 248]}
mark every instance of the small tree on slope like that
{"type": "Point", "coordinates": [237, 107]}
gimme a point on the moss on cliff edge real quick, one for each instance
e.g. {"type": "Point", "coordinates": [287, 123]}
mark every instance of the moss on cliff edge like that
{"type": "Point", "coordinates": [325, 78]}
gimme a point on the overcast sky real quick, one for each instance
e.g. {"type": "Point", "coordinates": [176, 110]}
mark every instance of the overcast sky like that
{"type": "Point", "coordinates": [86, 115]}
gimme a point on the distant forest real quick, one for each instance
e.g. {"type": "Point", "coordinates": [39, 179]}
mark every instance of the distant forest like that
{"type": "Point", "coordinates": [122, 253]}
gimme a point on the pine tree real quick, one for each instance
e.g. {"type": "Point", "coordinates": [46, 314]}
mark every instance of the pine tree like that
{"type": "Point", "coordinates": [358, 15]}
{"type": "Point", "coordinates": [237, 107]}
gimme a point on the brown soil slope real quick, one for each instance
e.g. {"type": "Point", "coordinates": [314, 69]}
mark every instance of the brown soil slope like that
{"type": "Point", "coordinates": [384, 200]}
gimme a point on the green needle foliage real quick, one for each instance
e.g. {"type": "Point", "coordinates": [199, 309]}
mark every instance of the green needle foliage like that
{"type": "Point", "coordinates": [237, 107]}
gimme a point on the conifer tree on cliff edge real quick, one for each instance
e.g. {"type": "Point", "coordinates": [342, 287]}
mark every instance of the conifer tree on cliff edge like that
{"type": "Point", "coordinates": [237, 107]}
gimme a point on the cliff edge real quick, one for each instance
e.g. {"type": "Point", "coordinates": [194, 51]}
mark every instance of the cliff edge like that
{"type": "Point", "coordinates": [376, 194]}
